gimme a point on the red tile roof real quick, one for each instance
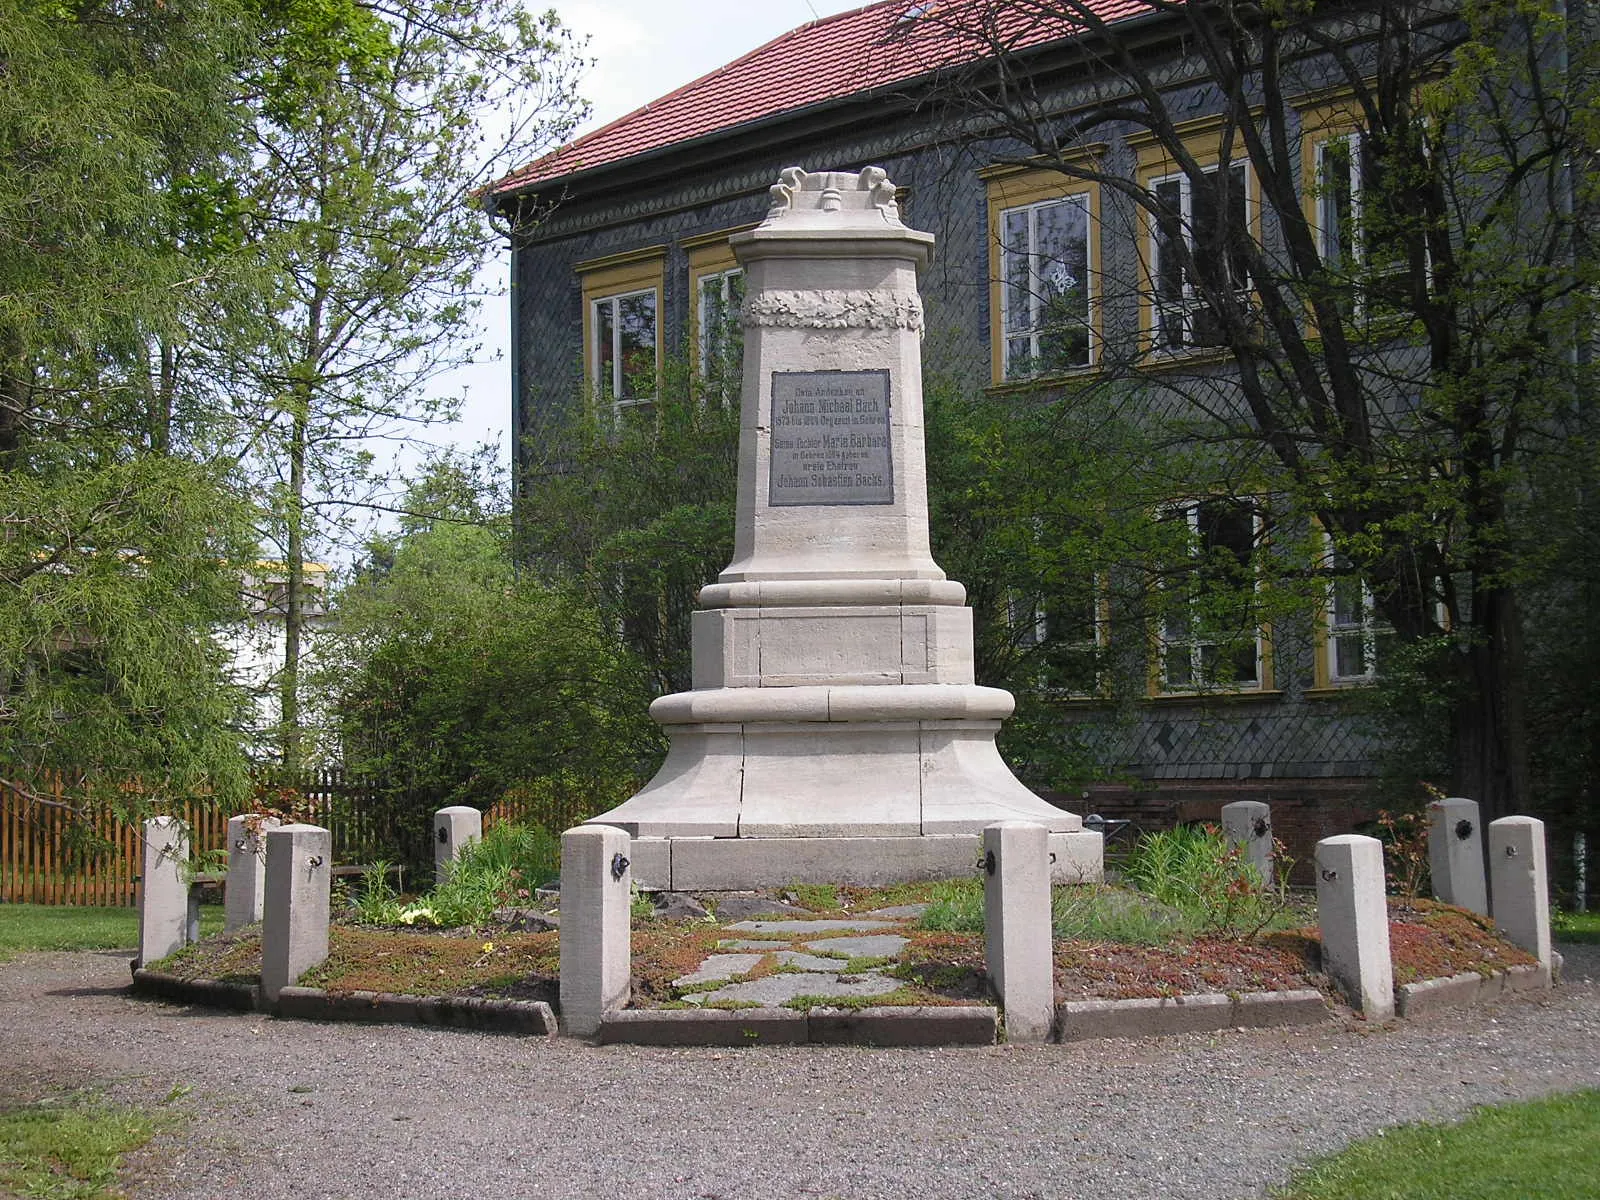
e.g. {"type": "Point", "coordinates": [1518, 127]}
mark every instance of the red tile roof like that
{"type": "Point", "coordinates": [873, 47]}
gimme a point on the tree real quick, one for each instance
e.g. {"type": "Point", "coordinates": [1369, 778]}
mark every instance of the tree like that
{"type": "Point", "coordinates": [456, 682]}
{"type": "Point", "coordinates": [121, 533]}
{"type": "Point", "coordinates": [363, 167]}
{"type": "Point", "coordinates": [1404, 324]}
{"type": "Point", "coordinates": [637, 514]}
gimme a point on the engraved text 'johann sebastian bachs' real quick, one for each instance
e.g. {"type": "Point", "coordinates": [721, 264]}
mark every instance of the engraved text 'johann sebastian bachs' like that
{"type": "Point", "coordinates": [830, 438]}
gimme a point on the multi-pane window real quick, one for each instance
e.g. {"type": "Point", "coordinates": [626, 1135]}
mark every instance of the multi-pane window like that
{"type": "Point", "coordinates": [1045, 266]}
{"type": "Point", "coordinates": [1356, 636]}
{"type": "Point", "coordinates": [1065, 634]}
{"type": "Point", "coordinates": [1353, 238]}
{"type": "Point", "coordinates": [721, 336]}
{"type": "Point", "coordinates": [623, 351]}
{"type": "Point", "coordinates": [1208, 633]}
{"type": "Point", "coordinates": [1196, 222]}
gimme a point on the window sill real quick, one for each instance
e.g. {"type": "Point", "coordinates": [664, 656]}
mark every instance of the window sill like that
{"type": "Point", "coordinates": [1033, 383]}
{"type": "Point", "coordinates": [1226, 697]}
{"type": "Point", "coordinates": [1332, 691]}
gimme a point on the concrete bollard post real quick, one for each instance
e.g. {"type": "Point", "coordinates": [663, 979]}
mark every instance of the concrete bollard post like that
{"type": "Point", "coordinates": [454, 828]}
{"type": "Point", "coordinates": [1354, 917]}
{"type": "Point", "coordinates": [1248, 823]}
{"type": "Point", "coordinates": [163, 889]}
{"type": "Point", "coordinates": [1455, 854]}
{"type": "Point", "coordinates": [294, 917]}
{"type": "Point", "coordinates": [247, 870]}
{"type": "Point", "coordinates": [596, 936]}
{"type": "Point", "coordinates": [1018, 941]}
{"type": "Point", "coordinates": [1520, 884]}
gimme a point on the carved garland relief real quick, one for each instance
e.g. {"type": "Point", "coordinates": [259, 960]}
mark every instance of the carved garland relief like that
{"type": "Point", "coordinates": [875, 308]}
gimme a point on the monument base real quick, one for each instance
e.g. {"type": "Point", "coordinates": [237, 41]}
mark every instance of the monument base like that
{"type": "Point", "coordinates": [843, 784]}
{"type": "Point", "coordinates": [735, 864]}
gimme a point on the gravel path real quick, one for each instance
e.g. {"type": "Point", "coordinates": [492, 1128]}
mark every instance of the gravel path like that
{"type": "Point", "coordinates": [286, 1109]}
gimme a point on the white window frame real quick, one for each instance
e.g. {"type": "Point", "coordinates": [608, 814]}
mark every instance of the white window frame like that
{"type": "Point", "coordinates": [1036, 288]}
{"type": "Point", "coordinates": [1369, 626]}
{"type": "Point", "coordinates": [1196, 645]}
{"type": "Point", "coordinates": [703, 326]}
{"type": "Point", "coordinates": [1352, 258]}
{"type": "Point", "coordinates": [1165, 312]}
{"type": "Point", "coordinates": [613, 387]}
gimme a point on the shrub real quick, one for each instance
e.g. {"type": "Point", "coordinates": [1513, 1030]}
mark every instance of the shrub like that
{"type": "Point", "coordinates": [499, 871]}
{"type": "Point", "coordinates": [1196, 871]}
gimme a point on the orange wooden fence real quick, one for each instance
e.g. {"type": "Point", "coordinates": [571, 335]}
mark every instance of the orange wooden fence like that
{"type": "Point", "coordinates": [51, 856]}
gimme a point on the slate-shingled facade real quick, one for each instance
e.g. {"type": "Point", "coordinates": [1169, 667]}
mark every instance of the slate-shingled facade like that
{"type": "Point", "coordinates": [646, 198]}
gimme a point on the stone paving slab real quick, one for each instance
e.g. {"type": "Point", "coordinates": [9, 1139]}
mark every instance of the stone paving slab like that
{"type": "Point", "coordinates": [719, 966]}
{"type": "Point", "coordinates": [780, 989]}
{"type": "Point", "coordinates": [752, 944]}
{"type": "Point", "coordinates": [801, 928]}
{"type": "Point", "coordinates": [895, 912]}
{"type": "Point", "coordinates": [809, 962]}
{"type": "Point", "coordinates": [878, 945]}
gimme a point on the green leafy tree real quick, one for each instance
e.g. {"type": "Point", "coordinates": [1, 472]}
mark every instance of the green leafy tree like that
{"type": "Point", "coordinates": [457, 682]}
{"type": "Point", "coordinates": [359, 199]}
{"type": "Point", "coordinates": [1405, 355]}
{"type": "Point", "coordinates": [119, 530]}
{"type": "Point", "coordinates": [637, 514]}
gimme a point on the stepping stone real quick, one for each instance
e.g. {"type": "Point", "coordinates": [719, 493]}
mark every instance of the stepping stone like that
{"type": "Point", "coordinates": [809, 962]}
{"type": "Point", "coordinates": [777, 989]}
{"type": "Point", "coordinates": [719, 966]}
{"type": "Point", "coordinates": [744, 908]}
{"type": "Point", "coordinates": [898, 912]}
{"type": "Point", "coordinates": [799, 928]}
{"type": "Point", "coordinates": [751, 944]}
{"type": "Point", "coordinates": [878, 945]}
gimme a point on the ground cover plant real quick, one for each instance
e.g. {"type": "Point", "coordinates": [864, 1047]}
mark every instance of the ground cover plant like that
{"type": "Point", "coordinates": [68, 1148]}
{"type": "Point", "coordinates": [1546, 1148]}
{"type": "Point", "coordinates": [1575, 926]}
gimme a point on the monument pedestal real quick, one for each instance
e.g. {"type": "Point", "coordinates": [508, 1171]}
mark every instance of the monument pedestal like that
{"type": "Point", "coordinates": [834, 733]}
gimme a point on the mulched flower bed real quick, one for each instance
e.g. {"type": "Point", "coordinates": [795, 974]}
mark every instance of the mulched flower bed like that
{"type": "Point", "coordinates": [1428, 940]}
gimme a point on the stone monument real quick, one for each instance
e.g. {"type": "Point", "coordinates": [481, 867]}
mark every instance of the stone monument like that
{"type": "Point", "coordinates": [834, 732]}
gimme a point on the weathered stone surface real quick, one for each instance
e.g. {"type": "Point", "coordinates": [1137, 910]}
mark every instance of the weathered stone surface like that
{"type": "Point", "coordinates": [1248, 824]}
{"type": "Point", "coordinates": [454, 829]}
{"type": "Point", "coordinates": [800, 961]}
{"type": "Point", "coordinates": [596, 890]}
{"type": "Point", "coordinates": [247, 870]}
{"type": "Point", "coordinates": [712, 1027]}
{"type": "Point", "coordinates": [526, 920]}
{"type": "Point", "coordinates": [1354, 920]}
{"type": "Point", "coordinates": [881, 945]}
{"type": "Point", "coordinates": [800, 928]}
{"type": "Point", "coordinates": [163, 891]}
{"type": "Point", "coordinates": [1519, 884]}
{"type": "Point", "coordinates": [780, 989]}
{"type": "Point", "coordinates": [1017, 934]}
{"type": "Point", "coordinates": [743, 908]}
{"type": "Point", "coordinates": [967, 1025]}
{"type": "Point", "coordinates": [719, 966]}
{"type": "Point", "coordinates": [1455, 854]}
{"type": "Point", "coordinates": [294, 919]}
{"type": "Point", "coordinates": [680, 906]}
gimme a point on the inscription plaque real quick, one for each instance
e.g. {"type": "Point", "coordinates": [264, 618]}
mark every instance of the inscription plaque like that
{"type": "Point", "coordinates": [830, 438]}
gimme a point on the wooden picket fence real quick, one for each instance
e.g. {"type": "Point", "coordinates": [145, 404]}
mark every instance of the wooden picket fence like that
{"type": "Point", "coordinates": [51, 856]}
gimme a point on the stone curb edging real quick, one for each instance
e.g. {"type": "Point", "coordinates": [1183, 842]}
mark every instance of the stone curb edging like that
{"type": "Point", "coordinates": [1460, 991]}
{"type": "Point", "coordinates": [956, 1025]}
{"type": "Point", "coordinates": [1082, 1020]}
{"type": "Point", "coordinates": [240, 997]}
{"type": "Point", "coordinates": [315, 1004]}
{"type": "Point", "coordinates": [947, 1025]}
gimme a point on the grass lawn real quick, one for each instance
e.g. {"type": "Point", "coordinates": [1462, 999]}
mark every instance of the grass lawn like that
{"type": "Point", "coordinates": [1575, 927]}
{"type": "Point", "coordinates": [63, 927]}
{"type": "Point", "coordinates": [1547, 1148]}
{"type": "Point", "coordinates": [68, 1149]}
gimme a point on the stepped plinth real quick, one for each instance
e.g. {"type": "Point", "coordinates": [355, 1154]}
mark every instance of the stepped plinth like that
{"type": "Point", "coordinates": [834, 732]}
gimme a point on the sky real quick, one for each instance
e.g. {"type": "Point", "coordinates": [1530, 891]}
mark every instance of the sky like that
{"type": "Point", "coordinates": [642, 49]}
